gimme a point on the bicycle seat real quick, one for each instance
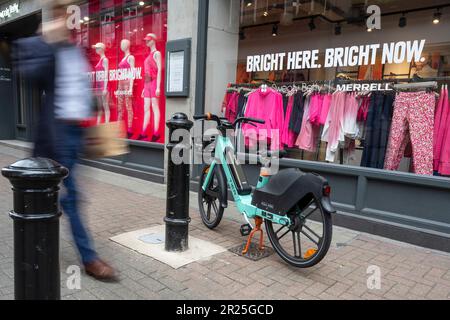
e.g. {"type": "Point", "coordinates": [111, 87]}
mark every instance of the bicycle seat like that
{"type": "Point", "coordinates": [286, 189]}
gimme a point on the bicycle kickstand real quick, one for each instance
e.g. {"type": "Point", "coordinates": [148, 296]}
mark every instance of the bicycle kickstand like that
{"type": "Point", "coordinates": [258, 223]}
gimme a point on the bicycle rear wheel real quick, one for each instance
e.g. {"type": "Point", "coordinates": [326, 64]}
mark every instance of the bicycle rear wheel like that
{"type": "Point", "coordinates": [306, 242]}
{"type": "Point", "coordinates": [209, 202]}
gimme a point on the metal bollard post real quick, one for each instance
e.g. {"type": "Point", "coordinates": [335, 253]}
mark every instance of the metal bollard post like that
{"type": "Point", "coordinates": [36, 227]}
{"type": "Point", "coordinates": [178, 178]}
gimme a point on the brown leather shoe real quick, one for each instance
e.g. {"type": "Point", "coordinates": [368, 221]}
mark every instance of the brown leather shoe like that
{"type": "Point", "coordinates": [100, 270]}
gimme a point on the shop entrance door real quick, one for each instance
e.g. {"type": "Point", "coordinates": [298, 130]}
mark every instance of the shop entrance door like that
{"type": "Point", "coordinates": [19, 99]}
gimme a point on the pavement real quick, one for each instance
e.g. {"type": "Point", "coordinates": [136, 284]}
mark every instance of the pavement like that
{"type": "Point", "coordinates": [358, 265]}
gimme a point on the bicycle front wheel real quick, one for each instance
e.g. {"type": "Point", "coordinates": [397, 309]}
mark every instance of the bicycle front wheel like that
{"type": "Point", "coordinates": [211, 210]}
{"type": "Point", "coordinates": [306, 242]}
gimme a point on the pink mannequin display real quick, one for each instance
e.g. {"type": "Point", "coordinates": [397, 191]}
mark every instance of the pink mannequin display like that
{"type": "Point", "coordinates": [152, 88]}
{"type": "Point", "coordinates": [125, 88]}
{"type": "Point", "coordinates": [101, 83]}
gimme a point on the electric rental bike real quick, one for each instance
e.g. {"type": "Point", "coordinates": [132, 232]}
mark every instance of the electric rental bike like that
{"type": "Point", "coordinates": [294, 205]}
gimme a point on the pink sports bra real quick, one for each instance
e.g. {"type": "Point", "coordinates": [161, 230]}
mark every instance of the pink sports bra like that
{"type": "Point", "coordinates": [150, 66]}
{"type": "Point", "coordinates": [99, 66]}
{"type": "Point", "coordinates": [124, 64]}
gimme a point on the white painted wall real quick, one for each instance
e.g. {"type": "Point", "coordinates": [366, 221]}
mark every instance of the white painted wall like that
{"type": "Point", "coordinates": [223, 41]}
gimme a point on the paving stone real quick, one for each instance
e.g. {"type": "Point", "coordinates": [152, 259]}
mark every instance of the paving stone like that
{"type": "Point", "coordinates": [114, 204]}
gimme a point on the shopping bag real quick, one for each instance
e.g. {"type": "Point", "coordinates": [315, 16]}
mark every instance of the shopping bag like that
{"type": "Point", "coordinates": [105, 140]}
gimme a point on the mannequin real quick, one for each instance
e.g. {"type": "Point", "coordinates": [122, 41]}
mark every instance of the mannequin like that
{"type": "Point", "coordinates": [102, 87]}
{"type": "Point", "coordinates": [152, 88]}
{"type": "Point", "coordinates": [125, 88]}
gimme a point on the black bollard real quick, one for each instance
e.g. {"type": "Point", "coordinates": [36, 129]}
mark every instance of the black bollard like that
{"type": "Point", "coordinates": [178, 178]}
{"type": "Point", "coordinates": [36, 227]}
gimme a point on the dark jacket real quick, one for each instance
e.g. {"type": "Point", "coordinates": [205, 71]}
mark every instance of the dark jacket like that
{"type": "Point", "coordinates": [35, 60]}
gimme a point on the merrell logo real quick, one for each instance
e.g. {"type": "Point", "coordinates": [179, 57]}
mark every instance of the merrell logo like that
{"type": "Point", "coordinates": [9, 11]}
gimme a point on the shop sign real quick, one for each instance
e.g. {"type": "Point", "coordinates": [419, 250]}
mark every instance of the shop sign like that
{"type": "Point", "coordinates": [352, 56]}
{"type": "Point", "coordinates": [9, 11]}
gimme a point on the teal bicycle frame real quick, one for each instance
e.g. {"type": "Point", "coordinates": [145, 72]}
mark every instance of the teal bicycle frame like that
{"type": "Point", "coordinates": [243, 202]}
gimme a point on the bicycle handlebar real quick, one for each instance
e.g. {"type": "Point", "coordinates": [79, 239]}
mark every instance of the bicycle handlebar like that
{"type": "Point", "coordinates": [212, 117]}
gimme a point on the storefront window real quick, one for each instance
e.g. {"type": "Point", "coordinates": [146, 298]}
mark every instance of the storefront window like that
{"type": "Point", "coordinates": [360, 83]}
{"type": "Point", "coordinates": [125, 43]}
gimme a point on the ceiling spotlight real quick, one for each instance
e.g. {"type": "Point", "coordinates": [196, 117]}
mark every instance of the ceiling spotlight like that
{"type": "Point", "coordinates": [249, 3]}
{"type": "Point", "coordinates": [402, 21]}
{"type": "Point", "coordinates": [266, 13]}
{"type": "Point", "coordinates": [241, 34]}
{"type": "Point", "coordinates": [312, 25]}
{"type": "Point", "coordinates": [275, 30]}
{"type": "Point", "coordinates": [437, 17]}
{"type": "Point", "coordinates": [141, 3]}
{"type": "Point", "coordinates": [338, 29]}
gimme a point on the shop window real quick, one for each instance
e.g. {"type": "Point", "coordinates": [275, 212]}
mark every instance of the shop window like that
{"type": "Point", "coordinates": [346, 85]}
{"type": "Point", "coordinates": [125, 43]}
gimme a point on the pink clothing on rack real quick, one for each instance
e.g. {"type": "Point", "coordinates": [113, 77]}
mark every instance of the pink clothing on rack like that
{"type": "Point", "coordinates": [333, 132]}
{"type": "Point", "coordinates": [413, 121]}
{"type": "Point", "coordinates": [231, 107]}
{"type": "Point", "coordinates": [309, 133]}
{"type": "Point", "coordinates": [440, 125]}
{"type": "Point", "coordinates": [265, 105]}
{"type": "Point", "coordinates": [325, 108]}
{"type": "Point", "coordinates": [363, 109]}
{"type": "Point", "coordinates": [315, 108]}
{"type": "Point", "coordinates": [444, 144]}
{"type": "Point", "coordinates": [225, 101]}
{"type": "Point", "coordinates": [287, 134]}
{"type": "Point", "coordinates": [351, 128]}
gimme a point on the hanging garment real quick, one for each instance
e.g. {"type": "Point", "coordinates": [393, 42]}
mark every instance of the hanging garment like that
{"type": "Point", "coordinates": [225, 101]}
{"type": "Point", "coordinates": [333, 131]}
{"type": "Point", "coordinates": [363, 110]}
{"type": "Point", "coordinates": [289, 135]}
{"type": "Point", "coordinates": [378, 124]}
{"type": "Point", "coordinates": [351, 129]}
{"type": "Point", "coordinates": [232, 106]}
{"type": "Point", "coordinates": [265, 105]}
{"type": "Point", "coordinates": [440, 127]}
{"type": "Point", "coordinates": [413, 113]}
{"type": "Point", "coordinates": [444, 144]}
{"type": "Point", "coordinates": [296, 120]}
{"type": "Point", "coordinates": [325, 109]}
{"type": "Point", "coordinates": [242, 101]}
{"type": "Point", "coordinates": [315, 109]}
{"type": "Point", "coordinates": [309, 133]}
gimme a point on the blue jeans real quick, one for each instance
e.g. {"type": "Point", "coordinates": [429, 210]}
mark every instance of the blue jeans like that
{"type": "Point", "coordinates": [68, 147]}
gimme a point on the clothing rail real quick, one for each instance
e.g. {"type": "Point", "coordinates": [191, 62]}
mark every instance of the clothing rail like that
{"type": "Point", "coordinates": [342, 81]}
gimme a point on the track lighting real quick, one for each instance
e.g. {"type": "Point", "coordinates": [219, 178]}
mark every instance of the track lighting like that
{"type": "Point", "coordinates": [437, 17]}
{"type": "Point", "coordinates": [402, 21]}
{"type": "Point", "coordinates": [312, 25]}
{"type": "Point", "coordinates": [275, 30]}
{"type": "Point", "coordinates": [338, 29]}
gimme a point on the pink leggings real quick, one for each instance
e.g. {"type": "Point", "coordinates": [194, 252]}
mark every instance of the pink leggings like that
{"type": "Point", "coordinates": [413, 113]}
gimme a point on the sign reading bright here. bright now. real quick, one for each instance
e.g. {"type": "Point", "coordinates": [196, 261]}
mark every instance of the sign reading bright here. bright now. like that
{"type": "Point", "coordinates": [394, 52]}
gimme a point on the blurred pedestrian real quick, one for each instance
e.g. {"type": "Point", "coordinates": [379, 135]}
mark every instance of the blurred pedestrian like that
{"type": "Point", "coordinates": [69, 100]}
